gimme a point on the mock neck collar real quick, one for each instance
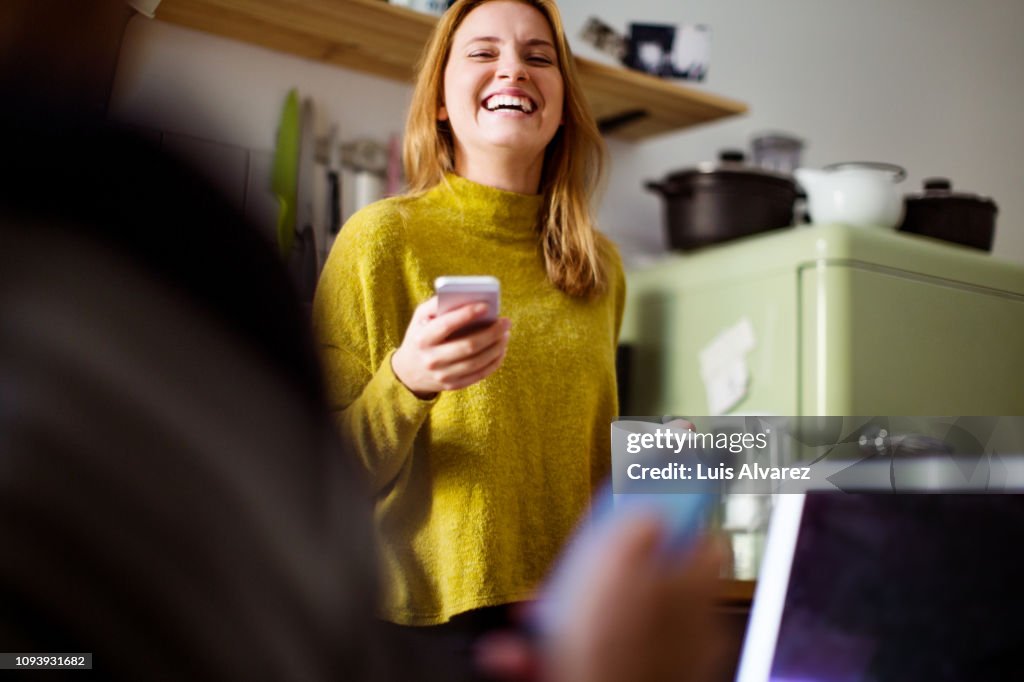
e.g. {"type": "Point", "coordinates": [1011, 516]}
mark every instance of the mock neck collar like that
{"type": "Point", "coordinates": [489, 209]}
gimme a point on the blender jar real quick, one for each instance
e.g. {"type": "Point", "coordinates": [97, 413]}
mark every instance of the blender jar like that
{"type": "Point", "coordinates": [777, 152]}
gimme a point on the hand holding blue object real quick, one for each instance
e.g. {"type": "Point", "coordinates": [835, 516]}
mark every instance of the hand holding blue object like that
{"type": "Point", "coordinates": [683, 517]}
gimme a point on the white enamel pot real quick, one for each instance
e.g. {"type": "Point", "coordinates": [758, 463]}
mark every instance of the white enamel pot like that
{"type": "Point", "coordinates": [859, 193]}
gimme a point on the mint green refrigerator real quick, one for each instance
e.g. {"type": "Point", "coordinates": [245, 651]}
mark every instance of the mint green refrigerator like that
{"type": "Point", "coordinates": [825, 320]}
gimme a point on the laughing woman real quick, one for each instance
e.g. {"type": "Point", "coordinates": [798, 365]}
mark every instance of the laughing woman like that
{"type": "Point", "coordinates": [483, 450]}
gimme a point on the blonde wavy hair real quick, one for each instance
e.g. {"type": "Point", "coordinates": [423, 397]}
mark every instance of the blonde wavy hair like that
{"type": "Point", "coordinates": [575, 254]}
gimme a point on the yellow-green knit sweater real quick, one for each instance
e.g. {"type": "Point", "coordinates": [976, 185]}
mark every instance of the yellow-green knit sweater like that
{"type": "Point", "coordinates": [477, 490]}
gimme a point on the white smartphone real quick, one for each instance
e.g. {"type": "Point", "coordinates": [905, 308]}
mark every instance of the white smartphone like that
{"type": "Point", "coordinates": [454, 292]}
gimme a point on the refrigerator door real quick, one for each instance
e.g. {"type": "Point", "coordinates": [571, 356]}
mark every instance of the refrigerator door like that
{"type": "Point", "coordinates": [884, 341]}
{"type": "Point", "coordinates": [826, 320]}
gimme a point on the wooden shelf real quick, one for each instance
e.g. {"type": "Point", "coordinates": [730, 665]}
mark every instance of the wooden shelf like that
{"type": "Point", "coordinates": [386, 40]}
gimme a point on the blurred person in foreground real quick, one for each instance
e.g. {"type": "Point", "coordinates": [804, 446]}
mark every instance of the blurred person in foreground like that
{"type": "Point", "coordinates": [173, 496]}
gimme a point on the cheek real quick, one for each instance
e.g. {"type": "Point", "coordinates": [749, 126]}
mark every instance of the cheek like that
{"type": "Point", "coordinates": [458, 92]}
{"type": "Point", "coordinates": [451, 89]}
{"type": "Point", "coordinates": [553, 87]}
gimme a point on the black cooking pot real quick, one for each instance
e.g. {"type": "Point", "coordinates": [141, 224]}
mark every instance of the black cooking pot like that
{"type": "Point", "coordinates": [958, 217]}
{"type": "Point", "coordinates": [717, 202]}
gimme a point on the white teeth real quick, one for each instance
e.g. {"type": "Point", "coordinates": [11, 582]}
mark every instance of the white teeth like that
{"type": "Point", "coordinates": [498, 101]}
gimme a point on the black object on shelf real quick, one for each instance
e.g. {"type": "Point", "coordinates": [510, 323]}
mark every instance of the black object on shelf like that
{"type": "Point", "coordinates": [958, 217]}
{"type": "Point", "coordinates": [713, 203]}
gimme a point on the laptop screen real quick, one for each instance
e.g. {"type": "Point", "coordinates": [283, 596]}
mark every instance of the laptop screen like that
{"type": "Point", "coordinates": [871, 586]}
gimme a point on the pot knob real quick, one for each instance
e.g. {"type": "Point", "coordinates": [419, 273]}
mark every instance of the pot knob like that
{"type": "Point", "coordinates": [732, 156]}
{"type": "Point", "coordinates": [938, 184]}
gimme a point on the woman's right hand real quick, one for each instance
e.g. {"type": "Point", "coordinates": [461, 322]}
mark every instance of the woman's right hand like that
{"type": "Point", "coordinates": [429, 362]}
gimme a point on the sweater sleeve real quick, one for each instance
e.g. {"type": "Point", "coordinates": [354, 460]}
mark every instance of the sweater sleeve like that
{"type": "Point", "coordinates": [360, 312]}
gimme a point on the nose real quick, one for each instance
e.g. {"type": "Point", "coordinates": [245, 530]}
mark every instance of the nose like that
{"type": "Point", "coordinates": [512, 67]}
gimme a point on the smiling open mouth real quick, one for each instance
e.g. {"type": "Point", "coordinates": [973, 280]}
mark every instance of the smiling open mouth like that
{"type": "Point", "coordinates": [510, 103]}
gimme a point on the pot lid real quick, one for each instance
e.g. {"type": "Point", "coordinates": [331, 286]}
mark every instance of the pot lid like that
{"type": "Point", "coordinates": [899, 173]}
{"type": "Point", "coordinates": [942, 189]}
{"type": "Point", "coordinates": [732, 162]}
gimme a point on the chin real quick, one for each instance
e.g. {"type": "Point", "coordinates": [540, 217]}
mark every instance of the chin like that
{"type": "Point", "coordinates": [519, 140]}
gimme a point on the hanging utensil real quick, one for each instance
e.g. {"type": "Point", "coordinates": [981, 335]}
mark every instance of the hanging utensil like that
{"type": "Point", "coordinates": [283, 177]}
{"type": "Point", "coordinates": [303, 260]}
{"type": "Point", "coordinates": [333, 183]}
{"type": "Point", "coordinates": [304, 185]}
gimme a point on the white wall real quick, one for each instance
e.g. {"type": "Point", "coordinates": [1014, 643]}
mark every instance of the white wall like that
{"type": "Point", "coordinates": [218, 102]}
{"type": "Point", "coordinates": [171, 78]}
{"type": "Point", "coordinates": [932, 85]}
{"type": "Point", "coordinates": [929, 84]}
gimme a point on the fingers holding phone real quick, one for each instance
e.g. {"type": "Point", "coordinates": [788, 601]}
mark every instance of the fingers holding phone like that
{"type": "Point", "coordinates": [463, 357]}
{"type": "Point", "coordinates": [455, 339]}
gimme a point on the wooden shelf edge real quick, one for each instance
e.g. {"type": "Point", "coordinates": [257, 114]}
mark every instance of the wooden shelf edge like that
{"type": "Point", "coordinates": [386, 40]}
{"type": "Point", "coordinates": [618, 77]}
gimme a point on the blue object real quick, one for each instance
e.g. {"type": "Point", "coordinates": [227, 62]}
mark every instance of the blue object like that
{"type": "Point", "coordinates": [685, 515]}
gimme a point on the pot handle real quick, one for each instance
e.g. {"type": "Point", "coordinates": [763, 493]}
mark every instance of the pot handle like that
{"type": "Point", "coordinates": [669, 188]}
